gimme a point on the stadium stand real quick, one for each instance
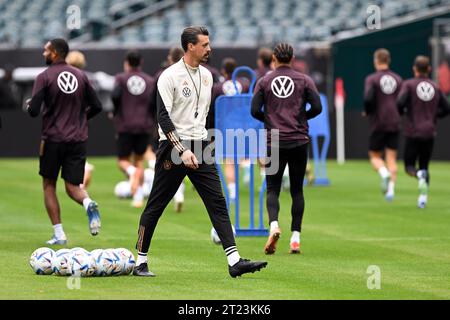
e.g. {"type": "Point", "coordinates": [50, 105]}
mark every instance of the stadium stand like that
{"type": "Point", "coordinates": [158, 23]}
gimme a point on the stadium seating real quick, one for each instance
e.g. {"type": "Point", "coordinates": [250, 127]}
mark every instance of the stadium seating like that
{"type": "Point", "coordinates": [245, 22]}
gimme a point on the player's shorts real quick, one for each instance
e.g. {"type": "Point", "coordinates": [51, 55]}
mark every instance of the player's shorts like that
{"type": "Point", "coordinates": [70, 156]}
{"type": "Point", "coordinates": [128, 143]}
{"type": "Point", "coordinates": [379, 140]}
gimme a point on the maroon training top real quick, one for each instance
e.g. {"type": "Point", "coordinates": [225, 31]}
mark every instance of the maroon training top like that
{"type": "Point", "coordinates": [422, 102]}
{"type": "Point", "coordinates": [380, 94]}
{"type": "Point", "coordinates": [284, 93]}
{"type": "Point", "coordinates": [132, 96]}
{"type": "Point", "coordinates": [67, 100]}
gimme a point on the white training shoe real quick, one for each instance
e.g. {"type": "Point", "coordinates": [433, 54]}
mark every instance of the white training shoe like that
{"type": "Point", "coordinates": [55, 241]}
{"type": "Point", "coordinates": [422, 201]}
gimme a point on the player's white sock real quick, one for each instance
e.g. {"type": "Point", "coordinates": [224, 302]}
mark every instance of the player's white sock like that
{"type": "Point", "coordinates": [179, 195]}
{"type": "Point", "coordinates": [59, 232]}
{"type": "Point", "coordinates": [391, 188]}
{"type": "Point", "coordinates": [273, 225]}
{"type": "Point", "coordinates": [232, 255]}
{"type": "Point", "coordinates": [139, 194]}
{"type": "Point", "coordinates": [295, 237]}
{"type": "Point", "coordinates": [384, 172]}
{"type": "Point", "coordinates": [130, 170]}
{"type": "Point", "coordinates": [232, 190]}
{"type": "Point", "coordinates": [141, 258]}
{"type": "Point", "coordinates": [86, 202]}
{"type": "Point", "coordinates": [151, 164]}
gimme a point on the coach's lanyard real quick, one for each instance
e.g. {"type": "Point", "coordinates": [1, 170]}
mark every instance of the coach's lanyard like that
{"type": "Point", "coordinates": [197, 91]}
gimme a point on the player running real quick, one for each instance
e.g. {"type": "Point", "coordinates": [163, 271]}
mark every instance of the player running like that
{"type": "Point", "coordinates": [68, 101]}
{"type": "Point", "coordinates": [133, 120]}
{"type": "Point", "coordinates": [380, 94]}
{"type": "Point", "coordinates": [284, 93]}
{"type": "Point", "coordinates": [421, 101]}
{"type": "Point", "coordinates": [183, 101]}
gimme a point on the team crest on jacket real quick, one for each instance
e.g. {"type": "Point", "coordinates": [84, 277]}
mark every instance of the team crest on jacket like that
{"type": "Point", "coordinates": [136, 85]}
{"type": "Point", "coordinates": [282, 87]}
{"type": "Point", "coordinates": [167, 165]}
{"type": "Point", "coordinates": [186, 92]}
{"type": "Point", "coordinates": [425, 91]}
{"type": "Point", "coordinates": [388, 84]}
{"type": "Point", "coordinates": [67, 82]}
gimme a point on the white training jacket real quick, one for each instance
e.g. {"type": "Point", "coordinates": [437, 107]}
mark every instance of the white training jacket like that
{"type": "Point", "coordinates": [177, 103]}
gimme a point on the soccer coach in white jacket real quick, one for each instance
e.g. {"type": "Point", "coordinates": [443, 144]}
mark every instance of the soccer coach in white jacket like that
{"type": "Point", "coordinates": [183, 101]}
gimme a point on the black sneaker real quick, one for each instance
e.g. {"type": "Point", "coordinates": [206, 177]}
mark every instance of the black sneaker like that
{"type": "Point", "coordinates": [142, 271]}
{"type": "Point", "coordinates": [246, 266]}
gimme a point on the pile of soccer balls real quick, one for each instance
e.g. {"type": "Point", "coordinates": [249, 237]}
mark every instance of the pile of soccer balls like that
{"type": "Point", "coordinates": [82, 263]}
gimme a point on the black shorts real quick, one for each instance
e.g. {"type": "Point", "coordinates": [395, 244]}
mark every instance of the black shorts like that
{"type": "Point", "coordinates": [418, 150]}
{"type": "Point", "coordinates": [70, 156]}
{"type": "Point", "coordinates": [380, 140]}
{"type": "Point", "coordinates": [128, 143]}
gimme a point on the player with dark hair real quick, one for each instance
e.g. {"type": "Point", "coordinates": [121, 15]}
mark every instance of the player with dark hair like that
{"type": "Point", "coordinates": [133, 119]}
{"type": "Point", "coordinates": [284, 94]}
{"type": "Point", "coordinates": [68, 101]}
{"type": "Point", "coordinates": [380, 94]}
{"type": "Point", "coordinates": [183, 101]}
{"type": "Point", "coordinates": [263, 62]}
{"type": "Point", "coordinates": [421, 101]}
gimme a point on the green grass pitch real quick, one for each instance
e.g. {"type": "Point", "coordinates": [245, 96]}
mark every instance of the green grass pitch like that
{"type": "Point", "coordinates": [347, 227]}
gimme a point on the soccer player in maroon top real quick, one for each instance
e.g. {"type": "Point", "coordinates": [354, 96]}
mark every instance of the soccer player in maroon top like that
{"type": "Point", "coordinates": [284, 94]}
{"type": "Point", "coordinates": [380, 94]}
{"type": "Point", "coordinates": [421, 101]}
{"type": "Point", "coordinates": [134, 119]}
{"type": "Point", "coordinates": [67, 101]}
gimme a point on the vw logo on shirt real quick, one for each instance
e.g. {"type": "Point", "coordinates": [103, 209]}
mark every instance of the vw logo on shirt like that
{"type": "Point", "coordinates": [186, 92]}
{"type": "Point", "coordinates": [282, 87]}
{"type": "Point", "coordinates": [425, 91]}
{"type": "Point", "coordinates": [388, 84]}
{"type": "Point", "coordinates": [67, 82]}
{"type": "Point", "coordinates": [136, 85]}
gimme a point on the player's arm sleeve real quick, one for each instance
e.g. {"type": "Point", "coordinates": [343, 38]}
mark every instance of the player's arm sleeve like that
{"type": "Point", "coordinates": [313, 98]}
{"type": "Point", "coordinates": [38, 96]}
{"type": "Point", "coordinates": [444, 106]}
{"type": "Point", "coordinates": [369, 97]}
{"type": "Point", "coordinates": [164, 104]}
{"type": "Point", "coordinates": [258, 101]}
{"type": "Point", "coordinates": [116, 96]}
{"type": "Point", "coordinates": [94, 106]}
{"type": "Point", "coordinates": [403, 100]}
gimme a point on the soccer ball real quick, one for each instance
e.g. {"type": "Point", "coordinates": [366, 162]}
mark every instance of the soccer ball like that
{"type": "Point", "coordinates": [82, 263]}
{"type": "Point", "coordinates": [116, 264]}
{"type": "Point", "coordinates": [215, 237]}
{"type": "Point", "coordinates": [41, 260]}
{"type": "Point", "coordinates": [62, 263]}
{"type": "Point", "coordinates": [104, 262]}
{"type": "Point", "coordinates": [126, 259]}
{"type": "Point", "coordinates": [122, 190]}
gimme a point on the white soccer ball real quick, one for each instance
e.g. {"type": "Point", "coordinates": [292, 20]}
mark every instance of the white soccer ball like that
{"type": "Point", "coordinates": [122, 190]}
{"type": "Point", "coordinates": [62, 262]}
{"type": "Point", "coordinates": [116, 263]}
{"type": "Point", "coordinates": [126, 260]}
{"type": "Point", "coordinates": [215, 237]}
{"type": "Point", "coordinates": [83, 264]}
{"type": "Point", "coordinates": [41, 260]}
{"type": "Point", "coordinates": [104, 262]}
